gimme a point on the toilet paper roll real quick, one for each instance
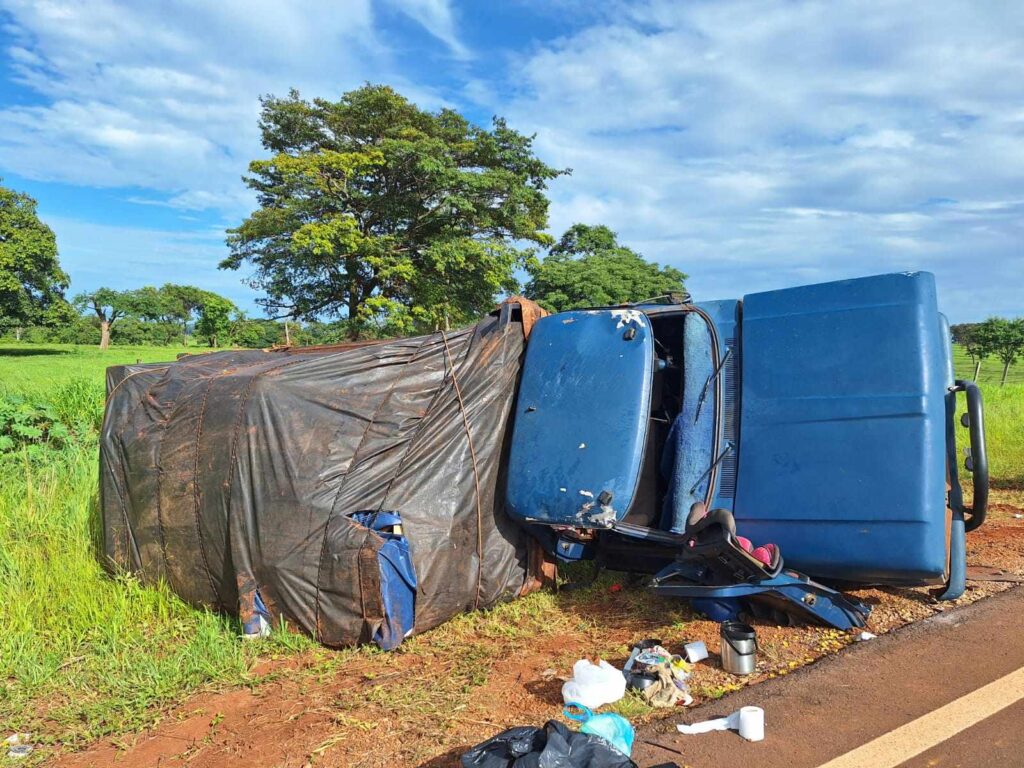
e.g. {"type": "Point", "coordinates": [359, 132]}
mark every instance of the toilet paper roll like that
{"type": "Point", "coordinates": [752, 723]}
{"type": "Point", "coordinates": [749, 721]}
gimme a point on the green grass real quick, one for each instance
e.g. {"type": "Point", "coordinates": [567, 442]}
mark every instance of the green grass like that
{"type": "Point", "coordinates": [1004, 417]}
{"type": "Point", "coordinates": [991, 369]}
{"type": "Point", "coordinates": [38, 368]}
{"type": "Point", "coordinates": [82, 654]}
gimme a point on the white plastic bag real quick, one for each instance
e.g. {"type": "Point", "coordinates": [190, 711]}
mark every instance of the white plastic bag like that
{"type": "Point", "coordinates": [593, 685]}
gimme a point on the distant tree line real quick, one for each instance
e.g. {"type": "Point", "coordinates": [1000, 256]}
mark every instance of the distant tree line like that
{"type": "Point", "coordinates": [172, 315]}
{"type": "Point", "coordinates": [997, 337]}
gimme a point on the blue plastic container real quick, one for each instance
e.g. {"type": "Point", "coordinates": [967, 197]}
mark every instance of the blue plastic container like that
{"type": "Point", "coordinates": [397, 578]}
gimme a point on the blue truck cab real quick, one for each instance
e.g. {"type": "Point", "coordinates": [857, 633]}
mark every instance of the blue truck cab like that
{"type": "Point", "coordinates": [820, 418]}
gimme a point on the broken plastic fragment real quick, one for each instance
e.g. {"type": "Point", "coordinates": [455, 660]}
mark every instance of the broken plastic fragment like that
{"type": "Point", "coordinates": [19, 745]}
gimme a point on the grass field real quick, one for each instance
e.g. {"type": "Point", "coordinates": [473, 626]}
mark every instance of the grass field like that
{"type": "Point", "coordinates": [83, 655]}
{"type": "Point", "coordinates": [38, 367]}
{"type": "Point", "coordinates": [991, 369]}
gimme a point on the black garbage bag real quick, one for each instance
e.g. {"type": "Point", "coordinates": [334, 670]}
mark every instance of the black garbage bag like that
{"type": "Point", "coordinates": [553, 746]}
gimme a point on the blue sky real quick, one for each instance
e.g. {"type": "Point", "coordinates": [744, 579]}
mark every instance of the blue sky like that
{"type": "Point", "coordinates": [755, 145]}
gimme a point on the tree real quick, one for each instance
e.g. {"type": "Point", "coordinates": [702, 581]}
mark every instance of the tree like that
{"type": "Point", "coordinates": [215, 319]}
{"type": "Point", "coordinates": [181, 304]}
{"type": "Point", "coordinates": [971, 337]}
{"type": "Point", "coordinates": [109, 306]}
{"type": "Point", "coordinates": [967, 335]}
{"type": "Point", "coordinates": [256, 333]}
{"type": "Point", "coordinates": [1004, 339]}
{"type": "Point", "coordinates": [589, 268]}
{"type": "Point", "coordinates": [377, 211]}
{"type": "Point", "coordinates": [31, 280]}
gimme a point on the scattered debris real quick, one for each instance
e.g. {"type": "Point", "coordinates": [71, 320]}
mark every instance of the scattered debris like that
{"type": "Point", "coordinates": [695, 651]}
{"type": "Point", "coordinates": [593, 685]}
{"type": "Point", "coordinates": [613, 728]}
{"type": "Point", "coordinates": [739, 648]}
{"type": "Point", "coordinates": [659, 676]}
{"type": "Point", "coordinates": [864, 636]}
{"type": "Point", "coordinates": [554, 744]}
{"type": "Point", "coordinates": [19, 745]}
{"type": "Point", "coordinates": [749, 721]}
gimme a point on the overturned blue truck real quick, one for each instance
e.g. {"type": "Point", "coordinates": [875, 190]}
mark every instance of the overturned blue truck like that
{"type": "Point", "coordinates": [366, 492]}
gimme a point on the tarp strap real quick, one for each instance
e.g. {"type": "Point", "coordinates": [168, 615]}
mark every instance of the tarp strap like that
{"type": "Point", "coordinates": [236, 431]}
{"type": "Point", "coordinates": [123, 492]}
{"type": "Point", "coordinates": [353, 463]}
{"type": "Point", "coordinates": [476, 476]}
{"type": "Point", "coordinates": [197, 499]}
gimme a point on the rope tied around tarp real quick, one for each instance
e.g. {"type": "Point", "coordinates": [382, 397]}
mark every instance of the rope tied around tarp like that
{"type": "Point", "coordinates": [476, 474]}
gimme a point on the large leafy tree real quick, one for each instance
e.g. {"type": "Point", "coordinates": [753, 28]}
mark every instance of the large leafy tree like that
{"type": "Point", "coordinates": [216, 316]}
{"type": "Point", "coordinates": [375, 210]}
{"type": "Point", "coordinates": [589, 268]}
{"type": "Point", "coordinates": [1004, 339]}
{"type": "Point", "coordinates": [972, 339]}
{"type": "Point", "coordinates": [110, 305]}
{"type": "Point", "coordinates": [32, 284]}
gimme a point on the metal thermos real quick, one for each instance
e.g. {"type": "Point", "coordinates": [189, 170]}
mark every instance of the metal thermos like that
{"type": "Point", "coordinates": [739, 647]}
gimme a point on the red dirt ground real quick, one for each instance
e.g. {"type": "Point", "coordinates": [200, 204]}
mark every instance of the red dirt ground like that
{"type": "Point", "coordinates": [449, 689]}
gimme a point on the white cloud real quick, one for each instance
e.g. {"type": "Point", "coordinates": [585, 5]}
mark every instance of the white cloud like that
{"type": "Point", "coordinates": [126, 257]}
{"type": "Point", "coordinates": [759, 144]}
{"type": "Point", "coordinates": [166, 98]}
{"type": "Point", "coordinates": [437, 17]}
{"type": "Point", "coordinates": [753, 143]}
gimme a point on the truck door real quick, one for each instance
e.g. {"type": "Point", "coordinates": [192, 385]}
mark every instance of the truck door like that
{"type": "Point", "coordinates": [581, 418]}
{"type": "Point", "coordinates": [842, 457]}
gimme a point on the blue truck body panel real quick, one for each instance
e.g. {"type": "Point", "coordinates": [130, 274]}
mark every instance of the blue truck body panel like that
{"type": "Point", "coordinates": [842, 459]}
{"type": "Point", "coordinates": [581, 417]}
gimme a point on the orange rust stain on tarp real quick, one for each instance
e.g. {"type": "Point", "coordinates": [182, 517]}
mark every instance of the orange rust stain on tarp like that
{"type": "Point", "coordinates": [532, 312]}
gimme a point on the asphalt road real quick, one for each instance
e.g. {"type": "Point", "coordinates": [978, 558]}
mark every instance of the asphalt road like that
{"type": "Point", "coordinates": [947, 692]}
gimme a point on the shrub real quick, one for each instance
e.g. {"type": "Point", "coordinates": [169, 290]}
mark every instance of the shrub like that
{"type": "Point", "coordinates": [24, 423]}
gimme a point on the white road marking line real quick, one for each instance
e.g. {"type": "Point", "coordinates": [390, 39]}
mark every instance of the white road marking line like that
{"type": "Point", "coordinates": [937, 726]}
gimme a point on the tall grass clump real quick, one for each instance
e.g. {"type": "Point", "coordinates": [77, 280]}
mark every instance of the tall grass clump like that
{"type": "Point", "coordinates": [1004, 433]}
{"type": "Point", "coordinates": [83, 654]}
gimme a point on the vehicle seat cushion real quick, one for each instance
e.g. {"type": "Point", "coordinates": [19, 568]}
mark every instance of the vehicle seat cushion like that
{"type": "Point", "coordinates": [701, 525]}
{"type": "Point", "coordinates": [688, 449]}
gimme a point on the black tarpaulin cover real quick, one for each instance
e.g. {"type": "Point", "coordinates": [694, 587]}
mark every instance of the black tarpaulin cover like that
{"type": "Point", "coordinates": [232, 472]}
